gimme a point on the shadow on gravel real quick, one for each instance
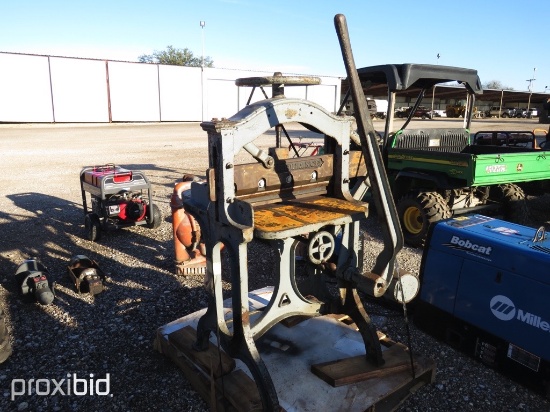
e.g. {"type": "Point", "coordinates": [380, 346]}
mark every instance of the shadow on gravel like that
{"type": "Point", "coordinates": [86, 336]}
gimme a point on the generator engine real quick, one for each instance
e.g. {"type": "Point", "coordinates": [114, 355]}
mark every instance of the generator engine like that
{"type": "Point", "coordinates": [125, 206]}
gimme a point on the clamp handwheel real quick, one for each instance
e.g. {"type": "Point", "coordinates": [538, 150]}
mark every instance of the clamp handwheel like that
{"type": "Point", "coordinates": [320, 247]}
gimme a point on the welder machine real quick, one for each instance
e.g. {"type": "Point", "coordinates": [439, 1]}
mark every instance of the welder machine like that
{"type": "Point", "coordinates": [485, 285]}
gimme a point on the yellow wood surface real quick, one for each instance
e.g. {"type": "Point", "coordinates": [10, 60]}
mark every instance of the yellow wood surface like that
{"type": "Point", "coordinates": [304, 213]}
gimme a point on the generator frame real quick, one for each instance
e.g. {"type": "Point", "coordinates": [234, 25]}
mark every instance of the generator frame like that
{"type": "Point", "coordinates": [104, 185]}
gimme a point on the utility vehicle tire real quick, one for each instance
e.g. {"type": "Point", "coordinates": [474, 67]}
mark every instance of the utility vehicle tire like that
{"type": "Point", "coordinates": [157, 217]}
{"type": "Point", "coordinates": [92, 225]}
{"type": "Point", "coordinates": [514, 204]}
{"type": "Point", "coordinates": [417, 211]}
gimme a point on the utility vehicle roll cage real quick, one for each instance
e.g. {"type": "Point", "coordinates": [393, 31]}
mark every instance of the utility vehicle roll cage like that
{"type": "Point", "coordinates": [401, 77]}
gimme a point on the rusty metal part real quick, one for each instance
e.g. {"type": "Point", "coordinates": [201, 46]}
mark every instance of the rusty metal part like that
{"type": "Point", "coordinates": [289, 178]}
{"type": "Point", "coordinates": [277, 83]}
{"type": "Point", "coordinates": [86, 275]}
{"type": "Point", "coordinates": [188, 249]}
{"type": "Point", "coordinates": [278, 79]}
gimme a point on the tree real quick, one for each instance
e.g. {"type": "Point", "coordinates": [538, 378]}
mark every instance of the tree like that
{"type": "Point", "coordinates": [496, 85]}
{"type": "Point", "coordinates": [176, 57]}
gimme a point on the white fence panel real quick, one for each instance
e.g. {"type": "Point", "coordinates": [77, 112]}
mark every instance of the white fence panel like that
{"type": "Point", "coordinates": [221, 99]}
{"type": "Point", "coordinates": [85, 90]}
{"type": "Point", "coordinates": [134, 92]}
{"type": "Point", "coordinates": [79, 90]}
{"type": "Point", "coordinates": [295, 92]}
{"type": "Point", "coordinates": [180, 93]}
{"type": "Point", "coordinates": [257, 95]}
{"type": "Point", "coordinates": [25, 94]}
{"type": "Point", "coordinates": [327, 94]}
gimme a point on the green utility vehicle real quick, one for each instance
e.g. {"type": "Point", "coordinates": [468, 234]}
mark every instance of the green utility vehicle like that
{"type": "Point", "coordinates": [436, 173]}
{"type": "Point", "coordinates": [521, 140]}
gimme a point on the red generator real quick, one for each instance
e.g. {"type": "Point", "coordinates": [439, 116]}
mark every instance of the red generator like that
{"type": "Point", "coordinates": [119, 198]}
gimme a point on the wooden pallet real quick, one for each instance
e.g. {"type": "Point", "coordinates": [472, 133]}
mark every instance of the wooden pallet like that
{"type": "Point", "coordinates": [212, 373]}
{"type": "Point", "coordinates": [351, 381]}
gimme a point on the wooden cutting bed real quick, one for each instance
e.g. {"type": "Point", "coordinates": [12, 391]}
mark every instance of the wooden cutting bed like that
{"type": "Point", "coordinates": [282, 220]}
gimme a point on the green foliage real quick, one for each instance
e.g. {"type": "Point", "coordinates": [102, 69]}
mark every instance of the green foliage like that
{"type": "Point", "coordinates": [496, 85]}
{"type": "Point", "coordinates": [176, 57]}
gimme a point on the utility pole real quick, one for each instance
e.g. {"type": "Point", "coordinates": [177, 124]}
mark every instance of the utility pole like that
{"type": "Point", "coordinates": [203, 103]}
{"type": "Point", "coordinates": [531, 80]}
{"type": "Point", "coordinates": [433, 90]}
{"type": "Point", "coordinates": [202, 23]}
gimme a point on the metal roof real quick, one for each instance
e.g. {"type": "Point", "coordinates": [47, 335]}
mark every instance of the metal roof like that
{"type": "Point", "coordinates": [449, 92]}
{"type": "Point", "coordinates": [408, 79]}
{"type": "Point", "coordinates": [406, 76]}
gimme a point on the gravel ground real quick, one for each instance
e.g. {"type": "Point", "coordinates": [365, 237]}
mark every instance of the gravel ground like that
{"type": "Point", "coordinates": [41, 217]}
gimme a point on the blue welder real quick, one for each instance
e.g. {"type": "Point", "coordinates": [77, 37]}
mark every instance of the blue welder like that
{"type": "Point", "coordinates": [485, 289]}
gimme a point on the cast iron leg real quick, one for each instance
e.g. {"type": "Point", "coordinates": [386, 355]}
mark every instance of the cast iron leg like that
{"type": "Point", "coordinates": [207, 323]}
{"type": "Point", "coordinates": [213, 319]}
{"type": "Point", "coordinates": [242, 345]}
{"type": "Point", "coordinates": [352, 306]}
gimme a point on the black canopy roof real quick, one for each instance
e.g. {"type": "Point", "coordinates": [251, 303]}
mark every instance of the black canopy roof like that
{"type": "Point", "coordinates": [408, 79]}
{"type": "Point", "coordinates": [420, 76]}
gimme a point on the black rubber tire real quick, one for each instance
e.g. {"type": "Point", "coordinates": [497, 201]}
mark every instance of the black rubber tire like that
{"type": "Point", "coordinates": [92, 225]}
{"type": "Point", "coordinates": [417, 211]}
{"type": "Point", "coordinates": [513, 200]}
{"type": "Point", "coordinates": [157, 217]}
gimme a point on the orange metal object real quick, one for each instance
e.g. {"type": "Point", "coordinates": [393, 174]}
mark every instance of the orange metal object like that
{"type": "Point", "coordinates": [188, 248]}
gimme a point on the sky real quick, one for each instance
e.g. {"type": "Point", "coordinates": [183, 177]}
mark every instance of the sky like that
{"type": "Point", "coordinates": [503, 40]}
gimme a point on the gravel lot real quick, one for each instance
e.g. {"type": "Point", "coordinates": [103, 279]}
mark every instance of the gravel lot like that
{"type": "Point", "coordinates": [41, 217]}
